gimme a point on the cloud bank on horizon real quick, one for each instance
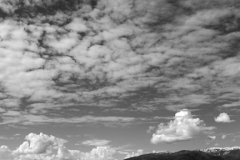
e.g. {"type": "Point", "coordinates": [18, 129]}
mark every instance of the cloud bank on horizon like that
{"type": "Point", "coordinates": [43, 147]}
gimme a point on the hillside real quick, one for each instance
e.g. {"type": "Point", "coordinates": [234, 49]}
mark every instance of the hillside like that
{"type": "Point", "coordinates": [206, 154]}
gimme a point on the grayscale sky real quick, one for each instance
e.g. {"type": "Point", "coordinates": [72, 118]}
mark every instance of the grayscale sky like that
{"type": "Point", "coordinates": [110, 79]}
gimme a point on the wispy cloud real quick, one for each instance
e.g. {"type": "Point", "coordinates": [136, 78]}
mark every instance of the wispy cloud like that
{"type": "Point", "coordinates": [29, 119]}
{"type": "Point", "coordinates": [96, 142]}
{"type": "Point", "coordinates": [212, 138]}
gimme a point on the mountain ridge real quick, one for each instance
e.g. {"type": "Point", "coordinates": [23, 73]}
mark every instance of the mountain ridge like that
{"type": "Point", "coordinates": [213, 153]}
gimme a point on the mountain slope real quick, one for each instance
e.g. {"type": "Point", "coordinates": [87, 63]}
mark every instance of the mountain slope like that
{"type": "Point", "coordinates": [232, 155]}
{"type": "Point", "coordinates": [181, 155]}
{"type": "Point", "coordinates": [228, 153]}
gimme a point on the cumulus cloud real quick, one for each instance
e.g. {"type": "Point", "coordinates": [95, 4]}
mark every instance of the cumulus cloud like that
{"type": "Point", "coordinates": [100, 153]}
{"type": "Point", "coordinates": [183, 127]}
{"type": "Point", "coordinates": [5, 153]}
{"type": "Point", "coordinates": [52, 148]}
{"type": "Point", "coordinates": [223, 118]}
{"type": "Point", "coordinates": [134, 154]}
{"type": "Point", "coordinates": [38, 144]}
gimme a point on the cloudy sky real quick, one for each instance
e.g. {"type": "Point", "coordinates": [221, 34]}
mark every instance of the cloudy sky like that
{"type": "Point", "coordinates": [109, 79]}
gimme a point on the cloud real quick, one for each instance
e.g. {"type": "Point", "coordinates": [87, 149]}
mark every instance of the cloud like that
{"type": "Point", "coordinates": [150, 129]}
{"type": "Point", "coordinates": [109, 54]}
{"type": "Point", "coordinates": [42, 146]}
{"type": "Point", "coordinates": [64, 153]}
{"type": "Point", "coordinates": [126, 55]}
{"type": "Point", "coordinates": [212, 137]}
{"type": "Point", "coordinates": [233, 104]}
{"type": "Point", "coordinates": [38, 144]}
{"type": "Point", "coordinates": [100, 153]}
{"type": "Point", "coordinates": [224, 136]}
{"type": "Point", "coordinates": [223, 118]}
{"type": "Point", "coordinates": [11, 113]}
{"type": "Point", "coordinates": [31, 119]}
{"type": "Point", "coordinates": [96, 142]}
{"type": "Point", "coordinates": [134, 154]}
{"type": "Point", "coordinates": [5, 153]}
{"type": "Point", "coordinates": [47, 147]}
{"type": "Point", "coordinates": [183, 127]}
{"type": "Point", "coordinates": [3, 137]}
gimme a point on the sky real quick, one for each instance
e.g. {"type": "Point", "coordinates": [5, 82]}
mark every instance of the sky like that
{"type": "Point", "coordinates": [111, 79]}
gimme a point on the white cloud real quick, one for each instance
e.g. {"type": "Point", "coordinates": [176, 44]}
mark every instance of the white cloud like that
{"type": "Point", "coordinates": [3, 137]}
{"type": "Point", "coordinates": [42, 146]}
{"type": "Point", "coordinates": [223, 118]}
{"type": "Point", "coordinates": [78, 25]}
{"type": "Point", "coordinates": [134, 154]}
{"type": "Point", "coordinates": [31, 119]}
{"type": "Point", "coordinates": [216, 144]}
{"type": "Point", "coordinates": [5, 153]}
{"type": "Point", "coordinates": [64, 153]}
{"type": "Point", "coordinates": [212, 137]}
{"type": "Point", "coordinates": [224, 136]}
{"type": "Point", "coordinates": [229, 105]}
{"type": "Point", "coordinates": [11, 113]}
{"type": "Point", "coordinates": [65, 43]}
{"type": "Point", "coordinates": [100, 153]}
{"type": "Point", "coordinates": [38, 144]}
{"type": "Point", "coordinates": [96, 142]}
{"type": "Point", "coordinates": [150, 129]}
{"type": "Point", "coordinates": [183, 127]}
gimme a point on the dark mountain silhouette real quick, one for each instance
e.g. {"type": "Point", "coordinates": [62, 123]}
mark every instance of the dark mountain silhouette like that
{"type": "Point", "coordinates": [205, 154]}
{"type": "Point", "coordinates": [228, 153]}
{"type": "Point", "coordinates": [232, 155]}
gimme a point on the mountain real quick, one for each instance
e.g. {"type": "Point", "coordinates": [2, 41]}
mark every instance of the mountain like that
{"type": "Point", "coordinates": [219, 149]}
{"type": "Point", "coordinates": [216, 153]}
{"type": "Point", "coordinates": [228, 153]}
{"type": "Point", "coordinates": [181, 155]}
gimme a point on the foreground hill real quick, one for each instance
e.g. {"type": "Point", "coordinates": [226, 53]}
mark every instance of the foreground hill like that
{"type": "Point", "coordinates": [206, 154]}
